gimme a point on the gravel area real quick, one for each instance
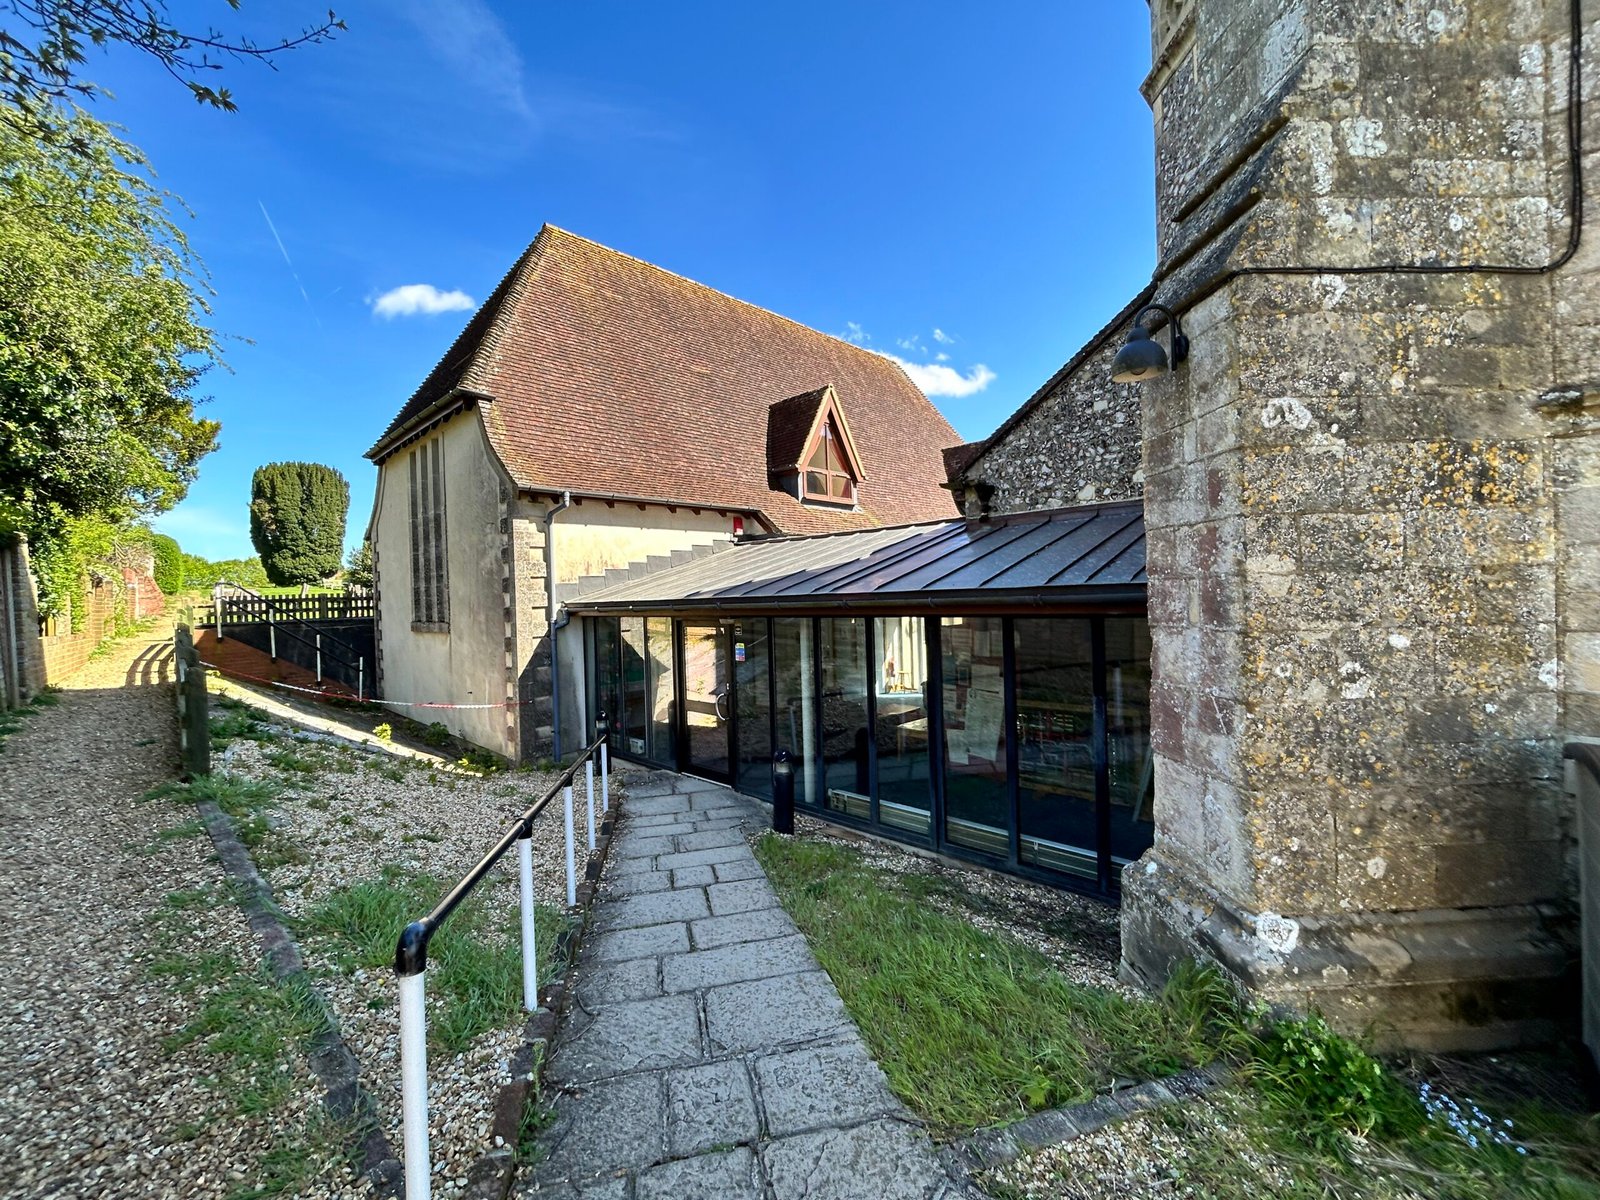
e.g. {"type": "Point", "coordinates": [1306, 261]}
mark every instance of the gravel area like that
{"type": "Point", "coordinates": [91, 1101]}
{"type": "Point", "coordinates": [1078, 934]}
{"type": "Point", "coordinates": [1145, 1158]}
{"type": "Point", "coordinates": [346, 813]}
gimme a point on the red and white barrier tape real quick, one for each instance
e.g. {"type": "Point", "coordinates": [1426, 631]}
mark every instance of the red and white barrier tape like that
{"type": "Point", "coordinates": [324, 694]}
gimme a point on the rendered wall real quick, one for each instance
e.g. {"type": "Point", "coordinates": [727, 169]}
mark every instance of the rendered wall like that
{"type": "Point", "coordinates": [466, 665]}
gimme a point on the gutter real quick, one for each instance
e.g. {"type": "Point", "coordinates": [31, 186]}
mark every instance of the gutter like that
{"type": "Point", "coordinates": [550, 618]}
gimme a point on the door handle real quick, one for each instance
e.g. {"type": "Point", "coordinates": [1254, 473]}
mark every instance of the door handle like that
{"type": "Point", "coordinates": [718, 698]}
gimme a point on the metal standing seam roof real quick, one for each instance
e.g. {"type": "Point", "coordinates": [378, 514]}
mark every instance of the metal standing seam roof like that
{"type": "Point", "coordinates": [1071, 555]}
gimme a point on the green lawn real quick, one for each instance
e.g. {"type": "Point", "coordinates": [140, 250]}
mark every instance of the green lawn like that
{"type": "Point", "coordinates": [975, 1029]}
{"type": "Point", "coordinates": [971, 1028]}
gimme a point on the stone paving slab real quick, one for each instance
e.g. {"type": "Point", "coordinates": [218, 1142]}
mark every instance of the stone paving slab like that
{"type": "Point", "coordinates": [706, 1054]}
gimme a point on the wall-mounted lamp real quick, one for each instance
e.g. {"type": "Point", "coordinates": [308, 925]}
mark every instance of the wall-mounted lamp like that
{"type": "Point", "coordinates": [1141, 356]}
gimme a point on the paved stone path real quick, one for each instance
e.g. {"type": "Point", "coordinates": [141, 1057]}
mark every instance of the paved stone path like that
{"type": "Point", "coordinates": [706, 1054]}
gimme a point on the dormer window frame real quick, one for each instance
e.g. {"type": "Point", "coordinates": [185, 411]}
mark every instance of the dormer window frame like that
{"type": "Point", "coordinates": [830, 460]}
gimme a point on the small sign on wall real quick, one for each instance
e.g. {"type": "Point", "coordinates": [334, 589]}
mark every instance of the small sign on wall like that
{"type": "Point", "coordinates": [738, 652]}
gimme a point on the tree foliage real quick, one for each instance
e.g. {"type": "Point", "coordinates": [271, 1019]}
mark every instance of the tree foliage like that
{"type": "Point", "coordinates": [203, 573]}
{"type": "Point", "coordinates": [297, 513]}
{"type": "Point", "coordinates": [168, 570]}
{"type": "Point", "coordinates": [45, 43]}
{"type": "Point", "coordinates": [102, 337]}
{"type": "Point", "coordinates": [358, 566]}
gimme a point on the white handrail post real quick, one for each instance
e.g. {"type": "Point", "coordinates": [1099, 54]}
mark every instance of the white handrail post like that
{"type": "Point", "coordinates": [414, 1085]}
{"type": "Point", "coordinates": [216, 607]}
{"type": "Point", "coordinates": [361, 677]}
{"type": "Point", "coordinates": [572, 865]}
{"type": "Point", "coordinates": [530, 955]}
{"type": "Point", "coordinates": [319, 658]}
{"type": "Point", "coordinates": [588, 773]}
{"type": "Point", "coordinates": [272, 637]}
{"type": "Point", "coordinates": [605, 778]}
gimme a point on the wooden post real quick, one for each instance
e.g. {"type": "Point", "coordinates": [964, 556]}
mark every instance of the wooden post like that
{"type": "Point", "coordinates": [194, 718]}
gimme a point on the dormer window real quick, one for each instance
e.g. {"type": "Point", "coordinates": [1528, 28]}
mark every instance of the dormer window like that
{"type": "Point", "coordinates": [828, 477]}
{"type": "Point", "coordinates": [810, 452]}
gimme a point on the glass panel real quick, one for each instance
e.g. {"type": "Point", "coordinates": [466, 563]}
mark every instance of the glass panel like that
{"type": "Point", "coordinates": [705, 697]}
{"type": "Point", "coordinates": [841, 486]}
{"type": "Point", "coordinates": [607, 676]}
{"type": "Point", "coordinates": [659, 638]}
{"type": "Point", "coordinates": [751, 651]}
{"type": "Point", "coordinates": [1055, 746]}
{"type": "Point", "coordinates": [901, 675]}
{"type": "Point", "coordinates": [977, 803]}
{"type": "Point", "coordinates": [635, 704]}
{"type": "Point", "coordinates": [1128, 727]}
{"type": "Point", "coordinates": [794, 701]}
{"type": "Point", "coordinates": [819, 456]}
{"type": "Point", "coordinates": [845, 735]}
{"type": "Point", "coordinates": [817, 484]}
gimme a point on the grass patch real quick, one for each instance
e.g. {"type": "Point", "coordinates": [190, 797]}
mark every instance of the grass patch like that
{"type": "Point", "coordinates": [972, 1028]}
{"type": "Point", "coordinates": [249, 1025]}
{"type": "Point", "coordinates": [474, 962]}
{"type": "Point", "coordinates": [233, 720]}
{"type": "Point", "coordinates": [288, 760]}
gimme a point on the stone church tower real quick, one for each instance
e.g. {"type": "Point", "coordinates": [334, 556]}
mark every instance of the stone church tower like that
{"type": "Point", "coordinates": [1373, 505]}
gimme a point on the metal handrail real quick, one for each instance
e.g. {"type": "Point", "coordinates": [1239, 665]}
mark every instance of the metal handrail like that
{"type": "Point", "coordinates": [277, 617]}
{"type": "Point", "coordinates": [411, 950]}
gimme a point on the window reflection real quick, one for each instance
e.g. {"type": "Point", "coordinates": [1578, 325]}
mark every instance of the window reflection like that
{"type": "Point", "coordinates": [794, 700]}
{"type": "Point", "coordinates": [1056, 744]}
{"type": "Point", "coordinates": [845, 737]}
{"type": "Point", "coordinates": [977, 801]}
{"type": "Point", "coordinates": [1128, 737]}
{"type": "Point", "coordinates": [901, 672]}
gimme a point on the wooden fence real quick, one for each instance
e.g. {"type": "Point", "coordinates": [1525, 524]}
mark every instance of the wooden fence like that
{"type": "Point", "coordinates": [240, 608]}
{"type": "Point", "coordinates": [194, 716]}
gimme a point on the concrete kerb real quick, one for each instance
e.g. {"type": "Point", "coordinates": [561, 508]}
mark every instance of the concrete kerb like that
{"type": "Point", "coordinates": [330, 1058]}
{"type": "Point", "coordinates": [987, 1149]}
{"type": "Point", "coordinates": [491, 1176]}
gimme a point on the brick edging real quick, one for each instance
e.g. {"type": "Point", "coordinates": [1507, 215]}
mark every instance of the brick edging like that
{"type": "Point", "coordinates": [329, 1057]}
{"type": "Point", "coordinates": [995, 1147]}
{"type": "Point", "coordinates": [491, 1176]}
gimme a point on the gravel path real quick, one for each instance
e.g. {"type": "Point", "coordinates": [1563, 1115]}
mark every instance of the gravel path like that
{"type": "Point", "coordinates": [91, 1103]}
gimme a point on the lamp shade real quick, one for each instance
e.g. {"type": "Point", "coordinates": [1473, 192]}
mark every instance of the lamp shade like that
{"type": "Point", "coordinates": [1140, 358]}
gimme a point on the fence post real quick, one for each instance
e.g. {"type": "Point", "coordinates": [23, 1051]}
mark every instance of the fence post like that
{"type": "Point", "coordinates": [530, 952]}
{"type": "Point", "coordinates": [782, 793]}
{"type": "Point", "coordinates": [588, 774]}
{"type": "Point", "coordinates": [411, 965]}
{"type": "Point", "coordinates": [194, 719]}
{"type": "Point", "coordinates": [572, 864]}
{"type": "Point", "coordinates": [603, 732]}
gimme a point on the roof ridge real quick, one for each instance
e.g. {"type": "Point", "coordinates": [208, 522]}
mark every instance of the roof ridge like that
{"type": "Point", "coordinates": [705, 287]}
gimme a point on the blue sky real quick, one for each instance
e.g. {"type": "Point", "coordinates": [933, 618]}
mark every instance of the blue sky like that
{"type": "Point", "coordinates": [968, 188]}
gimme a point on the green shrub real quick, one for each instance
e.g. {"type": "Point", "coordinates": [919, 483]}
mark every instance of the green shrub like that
{"type": "Point", "coordinates": [436, 735]}
{"type": "Point", "coordinates": [1330, 1085]}
{"type": "Point", "coordinates": [168, 570]}
{"type": "Point", "coordinates": [384, 732]}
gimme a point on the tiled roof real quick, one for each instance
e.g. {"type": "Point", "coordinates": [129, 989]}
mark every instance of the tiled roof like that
{"type": "Point", "coordinates": [602, 374]}
{"type": "Point", "coordinates": [789, 424]}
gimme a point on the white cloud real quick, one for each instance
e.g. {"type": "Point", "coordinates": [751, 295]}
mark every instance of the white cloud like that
{"type": "Point", "coordinates": [935, 379]}
{"type": "Point", "coordinates": [854, 334]}
{"type": "Point", "coordinates": [912, 343]}
{"type": "Point", "coordinates": [412, 299]}
{"type": "Point", "coordinates": [941, 357]}
{"type": "Point", "coordinates": [943, 338]}
{"type": "Point", "coordinates": [475, 43]}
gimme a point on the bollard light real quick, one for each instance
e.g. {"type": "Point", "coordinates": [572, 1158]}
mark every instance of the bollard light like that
{"type": "Point", "coordinates": [782, 792]}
